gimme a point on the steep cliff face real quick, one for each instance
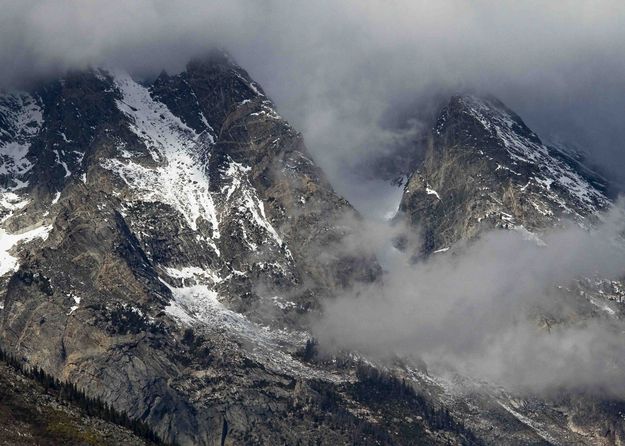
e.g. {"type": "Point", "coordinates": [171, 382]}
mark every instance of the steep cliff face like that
{"type": "Point", "coordinates": [151, 233]}
{"type": "Point", "coordinates": [484, 168]}
{"type": "Point", "coordinates": [33, 414]}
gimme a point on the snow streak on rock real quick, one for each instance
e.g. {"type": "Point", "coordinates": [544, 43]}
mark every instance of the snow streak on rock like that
{"type": "Point", "coordinates": [179, 179]}
{"type": "Point", "coordinates": [242, 201]}
{"type": "Point", "coordinates": [21, 119]}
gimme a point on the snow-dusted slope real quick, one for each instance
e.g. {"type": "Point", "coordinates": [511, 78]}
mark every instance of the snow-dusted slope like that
{"type": "Point", "coordinates": [136, 217]}
{"type": "Point", "coordinates": [178, 179]}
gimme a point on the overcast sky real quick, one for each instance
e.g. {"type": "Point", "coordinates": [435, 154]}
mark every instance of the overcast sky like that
{"type": "Point", "coordinates": [335, 67]}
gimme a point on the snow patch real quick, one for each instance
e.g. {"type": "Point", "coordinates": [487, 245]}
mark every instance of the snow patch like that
{"type": "Point", "coordinates": [199, 306]}
{"type": "Point", "coordinates": [192, 272]}
{"type": "Point", "coordinates": [23, 119]}
{"type": "Point", "coordinates": [11, 202]}
{"type": "Point", "coordinates": [430, 191]}
{"type": "Point", "coordinates": [62, 163]}
{"type": "Point", "coordinates": [179, 180]}
{"type": "Point", "coordinates": [282, 303]}
{"type": "Point", "coordinates": [9, 263]}
{"type": "Point", "coordinates": [76, 301]}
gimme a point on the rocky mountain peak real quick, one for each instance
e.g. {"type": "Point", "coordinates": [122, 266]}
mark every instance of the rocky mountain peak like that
{"type": "Point", "coordinates": [485, 168]}
{"type": "Point", "coordinates": [133, 212]}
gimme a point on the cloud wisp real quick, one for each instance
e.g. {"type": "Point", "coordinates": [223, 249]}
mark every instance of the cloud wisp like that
{"type": "Point", "coordinates": [337, 69]}
{"type": "Point", "coordinates": [501, 309]}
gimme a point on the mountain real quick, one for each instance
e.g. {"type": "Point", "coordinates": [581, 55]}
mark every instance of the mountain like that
{"type": "Point", "coordinates": [164, 244]}
{"type": "Point", "coordinates": [484, 168]}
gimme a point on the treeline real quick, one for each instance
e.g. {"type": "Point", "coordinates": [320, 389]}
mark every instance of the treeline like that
{"type": "Point", "coordinates": [379, 388]}
{"type": "Point", "coordinates": [94, 407]}
{"type": "Point", "coordinates": [376, 386]}
{"type": "Point", "coordinates": [332, 411]}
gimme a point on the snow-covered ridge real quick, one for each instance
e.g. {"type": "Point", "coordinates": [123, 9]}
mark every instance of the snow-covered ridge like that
{"type": "Point", "coordinates": [526, 148]}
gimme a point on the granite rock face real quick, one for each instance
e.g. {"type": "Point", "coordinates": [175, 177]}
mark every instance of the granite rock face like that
{"type": "Point", "coordinates": [31, 416]}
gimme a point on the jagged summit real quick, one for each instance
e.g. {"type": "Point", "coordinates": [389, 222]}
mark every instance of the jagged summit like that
{"type": "Point", "coordinates": [485, 168]}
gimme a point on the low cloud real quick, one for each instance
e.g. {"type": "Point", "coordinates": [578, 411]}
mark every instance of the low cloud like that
{"type": "Point", "coordinates": [502, 308]}
{"type": "Point", "coordinates": [359, 77]}
{"type": "Point", "coordinates": [339, 69]}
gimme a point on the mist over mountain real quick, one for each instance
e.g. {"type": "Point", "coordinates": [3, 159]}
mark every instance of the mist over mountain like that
{"type": "Point", "coordinates": [330, 223]}
{"type": "Point", "coordinates": [337, 68]}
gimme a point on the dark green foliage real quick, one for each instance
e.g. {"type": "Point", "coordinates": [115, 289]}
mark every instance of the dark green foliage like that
{"type": "Point", "coordinates": [309, 351]}
{"type": "Point", "coordinates": [92, 406]}
{"type": "Point", "coordinates": [124, 320]}
{"type": "Point", "coordinates": [375, 387]}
